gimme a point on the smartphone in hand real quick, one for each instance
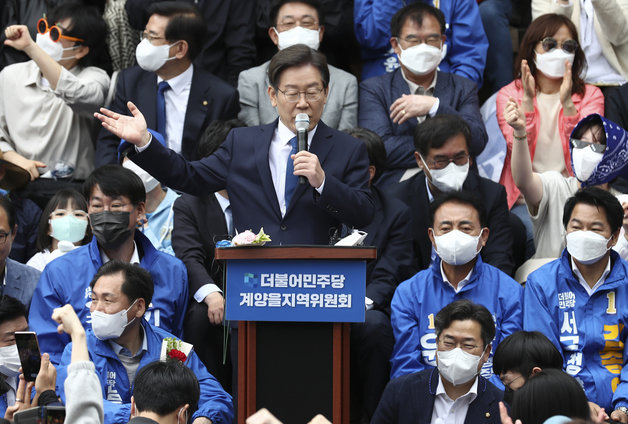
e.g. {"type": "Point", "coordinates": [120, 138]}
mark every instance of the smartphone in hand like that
{"type": "Point", "coordinates": [28, 348]}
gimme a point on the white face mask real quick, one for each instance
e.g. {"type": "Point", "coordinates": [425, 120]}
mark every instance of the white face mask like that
{"type": "Point", "coordinates": [52, 49]}
{"type": "Point", "coordinates": [584, 162]}
{"type": "Point", "coordinates": [450, 178]}
{"type": "Point", "coordinates": [298, 35]}
{"type": "Point", "coordinates": [110, 326]}
{"type": "Point", "coordinates": [422, 58]}
{"type": "Point", "coordinates": [151, 58]}
{"type": "Point", "coordinates": [586, 247]}
{"type": "Point", "coordinates": [456, 247]}
{"type": "Point", "coordinates": [457, 366]}
{"type": "Point", "coordinates": [552, 63]}
{"type": "Point", "coordinates": [149, 182]}
{"type": "Point", "coordinates": [10, 361]}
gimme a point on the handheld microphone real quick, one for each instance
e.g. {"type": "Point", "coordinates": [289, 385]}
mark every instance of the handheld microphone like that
{"type": "Point", "coordinates": [301, 123]}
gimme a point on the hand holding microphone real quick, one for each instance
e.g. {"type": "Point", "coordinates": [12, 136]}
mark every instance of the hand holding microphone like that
{"type": "Point", "coordinates": [302, 123]}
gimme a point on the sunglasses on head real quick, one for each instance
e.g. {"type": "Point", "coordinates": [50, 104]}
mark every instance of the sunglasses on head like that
{"type": "Point", "coordinates": [56, 33]}
{"type": "Point", "coordinates": [581, 144]}
{"type": "Point", "coordinates": [568, 46]}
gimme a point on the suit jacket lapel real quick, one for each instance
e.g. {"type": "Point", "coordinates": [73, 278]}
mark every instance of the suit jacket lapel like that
{"type": "Point", "coordinates": [147, 102]}
{"type": "Point", "coordinates": [195, 115]}
{"type": "Point", "coordinates": [399, 88]}
{"type": "Point", "coordinates": [262, 147]}
{"type": "Point", "coordinates": [12, 286]}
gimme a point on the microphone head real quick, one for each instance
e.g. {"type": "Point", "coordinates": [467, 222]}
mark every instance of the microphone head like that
{"type": "Point", "coordinates": [302, 122]}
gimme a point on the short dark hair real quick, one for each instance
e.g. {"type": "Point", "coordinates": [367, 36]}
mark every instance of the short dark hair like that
{"type": "Point", "coordinates": [162, 387]}
{"type": "Point", "coordinates": [374, 146]}
{"type": "Point", "coordinates": [11, 308]}
{"type": "Point", "coordinates": [460, 197]}
{"type": "Point", "coordinates": [551, 392]}
{"type": "Point", "coordinates": [295, 56]}
{"type": "Point", "coordinates": [524, 350]}
{"type": "Point", "coordinates": [115, 180]}
{"type": "Point", "coordinates": [87, 24]}
{"type": "Point", "coordinates": [9, 209]}
{"type": "Point", "coordinates": [462, 310]}
{"type": "Point", "coordinates": [278, 4]}
{"type": "Point", "coordinates": [137, 281]}
{"type": "Point", "coordinates": [186, 23]}
{"type": "Point", "coordinates": [60, 199]}
{"type": "Point", "coordinates": [415, 12]}
{"type": "Point", "coordinates": [433, 133]}
{"type": "Point", "coordinates": [215, 134]}
{"type": "Point", "coordinates": [599, 198]}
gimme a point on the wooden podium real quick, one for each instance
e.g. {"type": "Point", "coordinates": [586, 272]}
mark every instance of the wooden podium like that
{"type": "Point", "coordinates": [295, 368]}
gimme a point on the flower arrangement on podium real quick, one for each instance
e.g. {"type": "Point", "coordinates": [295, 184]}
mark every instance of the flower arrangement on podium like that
{"type": "Point", "coordinates": [246, 238]}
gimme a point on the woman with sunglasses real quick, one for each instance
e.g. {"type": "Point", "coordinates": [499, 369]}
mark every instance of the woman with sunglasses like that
{"type": "Point", "coordinates": [46, 103]}
{"type": "Point", "coordinates": [553, 98]}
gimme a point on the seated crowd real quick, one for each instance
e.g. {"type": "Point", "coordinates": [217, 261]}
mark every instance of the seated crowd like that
{"type": "Point", "coordinates": [493, 298]}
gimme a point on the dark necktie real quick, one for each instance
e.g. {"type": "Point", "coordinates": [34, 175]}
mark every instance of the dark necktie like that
{"type": "Point", "coordinates": [291, 179]}
{"type": "Point", "coordinates": [161, 108]}
{"type": "Point", "coordinates": [420, 90]}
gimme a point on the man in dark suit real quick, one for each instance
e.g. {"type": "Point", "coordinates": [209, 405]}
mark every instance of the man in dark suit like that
{"type": "Point", "coordinates": [442, 152]}
{"type": "Point", "coordinates": [256, 164]}
{"type": "Point", "coordinates": [19, 280]}
{"type": "Point", "coordinates": [391, 232]}
{"type": "Point", "coordinates": [176, 97]}
{"type": "Point", "coordinates": [199, 222]}
{"type": "Point", "coordinates": [393, 104]}
{"type": "Point", "coordinates": [453, 392]}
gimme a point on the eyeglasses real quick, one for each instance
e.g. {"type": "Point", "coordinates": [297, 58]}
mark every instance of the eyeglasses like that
{"type": "Point", "coordinates": [293, 96]}
{"type": "Point", "coordinates": [581, 144]}
{"type": "Point", "coordinates": [450, 344]}
{"type": "Point", "coordinates": [441, 162]}
{"type": "Point", "coordinates": [568, 46]}
{"type": "Point", "coordinates": [433, 40]}
{"type": "Point", "coordinates": [151, 38]}
{"type": "Point", "coordinates": [114, 207]}
{"type": "Point", "coordinates": [3, 237]}
{"type": "Point", "coordinates": [60, 213]}
{"type": "Point", "coordinates": [511, 381]}
{"type": "Point", "coordinates": [56, 32]}
{"type": "Point", "coordinates": [306, 22]}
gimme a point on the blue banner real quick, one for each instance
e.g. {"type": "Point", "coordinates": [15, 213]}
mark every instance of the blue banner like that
{"type": "Point", "coordinates": [296, 290]}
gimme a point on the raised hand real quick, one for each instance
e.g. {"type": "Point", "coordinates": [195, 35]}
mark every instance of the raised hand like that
{"type": "Point", "coordinates": [569, 109]}
{"type": "Point", "coordinates": [529, 87]}
{"type": "Point", "coordinates": [131, 128]}
{"type": "Point", "coordinates": [514, 116]}
{"type": "Point", "coordinates": [18, 37]}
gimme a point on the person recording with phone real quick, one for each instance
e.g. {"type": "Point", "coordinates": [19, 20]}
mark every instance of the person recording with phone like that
{"type": "Point", "coordinates": [259, 166]}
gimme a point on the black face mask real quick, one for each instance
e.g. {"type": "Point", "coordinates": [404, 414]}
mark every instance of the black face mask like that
{"type": "Point", "coordinates": [508, 395]}
{"type": "Point", "coordinates": [111, 229]}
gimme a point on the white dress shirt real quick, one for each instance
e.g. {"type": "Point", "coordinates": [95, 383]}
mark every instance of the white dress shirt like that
{"type": "Point", "coordinates": [176, 106]}
{"type": "Point", "coordinates": [210, 288]}
{"type": "Point", "coordinates": [590, 290]}
{"type": "Point", "coordinates": [447, 411]}
{"type": "Point", "coordinates": [278, 155]}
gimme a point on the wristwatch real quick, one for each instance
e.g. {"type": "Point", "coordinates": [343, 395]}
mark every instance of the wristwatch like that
{"type": "Point", "coordinates": [622, 409]}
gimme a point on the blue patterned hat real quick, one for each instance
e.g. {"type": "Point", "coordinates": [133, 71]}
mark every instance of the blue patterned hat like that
{"type": "Point", "coordinates": [614, 163]}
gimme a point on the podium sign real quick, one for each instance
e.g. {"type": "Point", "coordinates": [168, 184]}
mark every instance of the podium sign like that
{"type": "Point", "coordinates": [296, 290]}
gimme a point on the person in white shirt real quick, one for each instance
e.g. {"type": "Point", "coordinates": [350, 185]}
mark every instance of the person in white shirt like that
{"type": "Point", "coordinates": [454, 392]}
{"type": "Point", "coordinates": [46, 104]}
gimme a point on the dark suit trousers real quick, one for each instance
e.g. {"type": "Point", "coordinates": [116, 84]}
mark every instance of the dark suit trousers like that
{"type": "Point", "coordinates": [208, 341]}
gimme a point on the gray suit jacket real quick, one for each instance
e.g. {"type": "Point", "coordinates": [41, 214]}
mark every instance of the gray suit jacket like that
{"type": "Point", "coordinates": [341, 110]}
{"type": "Point", "coordinates": [21, 281]}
